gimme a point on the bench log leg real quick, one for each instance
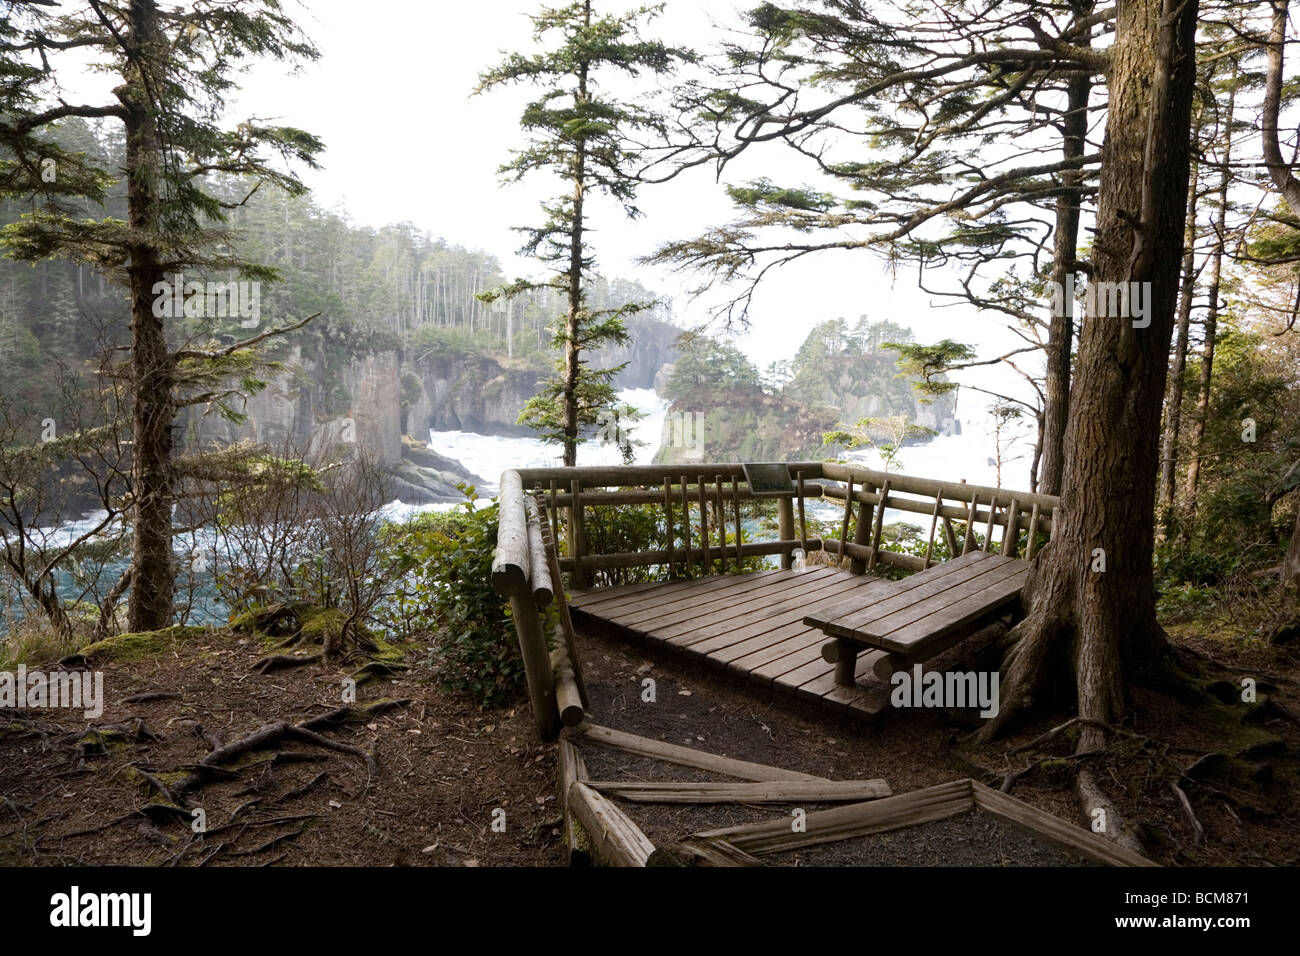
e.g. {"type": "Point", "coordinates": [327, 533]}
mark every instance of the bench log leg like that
{"type": "Point", "coordinates": [889, 664]}
{"type": "Point", "coordinates": [846, 662]}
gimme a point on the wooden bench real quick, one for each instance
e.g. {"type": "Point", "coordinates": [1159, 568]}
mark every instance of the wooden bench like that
{"type": "Point", "coordinates": [920, 616]}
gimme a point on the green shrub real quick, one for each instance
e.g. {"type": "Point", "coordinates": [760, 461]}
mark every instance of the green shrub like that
{"type": "Point", "coordinates": [441, 565]}
{"type": "Point", "coordinates": [1178, 565]}
{"type": "Point", "coordinates": [632, 529]}
{"type": "Point", "coordinates": [1187, 602]}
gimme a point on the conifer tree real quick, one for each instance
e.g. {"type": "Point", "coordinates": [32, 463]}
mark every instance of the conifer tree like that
{"type": "Point", "coordinates": [582, 133]}
{"type": "Point", "coordinates": [174, 68]}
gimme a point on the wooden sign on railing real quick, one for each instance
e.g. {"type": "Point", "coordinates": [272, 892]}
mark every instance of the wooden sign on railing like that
{"type": "Point", "coordinates": [770, 479]}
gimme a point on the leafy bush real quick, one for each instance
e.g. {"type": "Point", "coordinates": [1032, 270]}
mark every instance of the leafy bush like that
{"type": "Point", "coordinates": [441, 566]}
{"type": "Point", "coordinates": [624, 529]}
{"type": "Point", "coordinates": [621, 529]}
{"type": "Point", "coordinates": [1186, 602]}
{"type": "Point", "coordinates": [1179, 565]}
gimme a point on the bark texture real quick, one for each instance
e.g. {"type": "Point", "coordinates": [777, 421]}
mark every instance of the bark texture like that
{"type": "Point", "coordinates": [153, 372]}
{"type": "Point", "coordinates": [1086, 626]}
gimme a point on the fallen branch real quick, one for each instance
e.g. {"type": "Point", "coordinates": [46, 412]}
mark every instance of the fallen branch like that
{"type": "Point", "coordinates": [280, 662]}
{"type": "Point", "coordinates": [1198, 831]}
{"type": "Point", "coordinates": [688, 756]}
{"type": "Point", "coordinates": [149, 697]}
{"type": "Point", "coordinates": [785, 791]}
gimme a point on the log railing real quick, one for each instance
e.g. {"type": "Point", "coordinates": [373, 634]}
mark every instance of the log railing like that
{"type": "Point", "coordinates": [521, 569]}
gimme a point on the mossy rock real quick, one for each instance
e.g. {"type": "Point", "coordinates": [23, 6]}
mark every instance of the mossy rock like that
{"type": "Point", "coordinates": [140, 644]}
{"type": "Point", "coordinates": [96, 742]}
{"type": "Point", "coordinates": [302, 623]}
{"type": "Point", "coordinates": [274, 620]}
{"type": "Point", "coordinates": [319, 623]}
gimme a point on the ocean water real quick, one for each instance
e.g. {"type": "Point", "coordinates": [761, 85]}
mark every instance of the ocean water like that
{"type": "Point", "coordinates": [968, 455]}
{"type": "Point", "coordinates": [489, 455]}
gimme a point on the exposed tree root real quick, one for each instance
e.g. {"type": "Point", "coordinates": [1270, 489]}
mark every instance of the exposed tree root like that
{"type": "Point", "coordinates": [172, 792]}
{"type": "Point", "coordinates": [1009, 780]}
{"type": "Point", "coordinates": [305, 788]}
{"type": "Point", "coordinates": [272, 734]}
{"type": "Point", "coordinates": [1198, 831]}
{"type": "Point", "coordinates": [280, 662]}
{"type": "Point", "coordinates": [163, 790]}
{"type": "Point", "coordinates": [379, 670]}
{"type": "Point", "coordinates": [1101, 815]}
{"type": "Point", "coordinates": [149, 697]}
{"type": "Point", "coordinates": [1061, 728]}
{"type": "Point", "coordinates": [353, 715]}
{"type": "Point", "coordinates": [276, 841]}
{"type": "Point", "coordinates": [1098, 808]}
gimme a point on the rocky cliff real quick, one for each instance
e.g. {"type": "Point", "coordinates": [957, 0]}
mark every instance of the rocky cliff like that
{"type": "Point", "coordinates": [470, 393]}
{"type": "Point", "coordinates": [653, 346]}
{"type": "Point", "coordinates": [484, 393]}
{"type": "Point", "coordinates": [310, 410]}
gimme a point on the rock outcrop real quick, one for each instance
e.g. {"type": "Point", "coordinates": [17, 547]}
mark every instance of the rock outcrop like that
{"type": "Point", "coordinates": [424, 477]}
{"type": "Point", "coordinates": [359, 409]}
{"type": "Point", "coordinates": [471, 393]}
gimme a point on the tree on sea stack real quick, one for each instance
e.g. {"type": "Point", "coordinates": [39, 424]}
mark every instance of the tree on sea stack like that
{"type": "Point", "coordinates": [173, 68]}
{"type": "Point", "coordinates": [585, 137]}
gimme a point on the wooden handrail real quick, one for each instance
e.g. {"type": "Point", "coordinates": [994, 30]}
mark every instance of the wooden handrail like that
{"type": "Point", "coordinates": [594, 487]}
{"type": "Point", "coordinates": [511, 564]}
{"type": "Point", "coordinates": [522, 567]}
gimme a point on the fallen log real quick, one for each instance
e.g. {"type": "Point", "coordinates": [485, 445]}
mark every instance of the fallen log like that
{"type": "Point", "coordinates": [571, 768]}
{"type": "Point", "coordinates": [618, 841]}
{"type": "Point", "coordinates": [688, 756]}
{"type": "Point", "coordinates": [781, 791]}
{"type": "Point", "coordinates": [696, 852]}
{"type": "Point", "coordinates": [856, 819]}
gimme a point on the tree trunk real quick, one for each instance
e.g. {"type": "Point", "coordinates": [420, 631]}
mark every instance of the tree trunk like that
{"type": "Point", "coordinates": [1091, 597]}
{"type": "Point", "coordinates": [1291, 563]}
{"type": "Point", "coordinates": [1037, 455]}
{"type": "Point", "coordinates": [152, 372]}
{"type": "Point", "coordinates": [1060, 332]}
{"type": "Point", "coordinates": [1280, 172]}
{"type": "Point", "coordinates": [1211, 319]}
{"type": "Point", "coordinates": [1278, 168]}
{"type": "Point", "coordinates": [1174, 403]}
{"type": "Point", "coordinates": [572, 349]}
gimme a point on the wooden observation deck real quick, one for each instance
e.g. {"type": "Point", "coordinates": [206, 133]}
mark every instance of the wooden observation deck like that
{"type": "Point", "coordinates": [832, 631]}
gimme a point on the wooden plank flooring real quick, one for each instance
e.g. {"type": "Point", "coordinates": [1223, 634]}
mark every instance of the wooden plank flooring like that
{"type": "Point", "coordinates": [750, 625]}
